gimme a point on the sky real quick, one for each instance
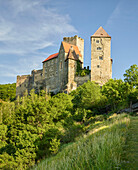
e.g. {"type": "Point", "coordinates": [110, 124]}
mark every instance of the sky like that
{"type": "Point", "coordinates": [31, 30]}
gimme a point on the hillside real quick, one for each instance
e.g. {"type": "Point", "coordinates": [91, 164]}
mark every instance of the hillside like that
{"type": "Point", "coordinates": [68, 127]}
{"type": "Point", "coordinates": [131, 146]}
{"type": "Point", "coordinates": [101, 148]}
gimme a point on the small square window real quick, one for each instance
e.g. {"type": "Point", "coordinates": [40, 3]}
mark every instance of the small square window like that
{"type": "Point", "coordinates": [100, 57]}
{"type": "Point", "coordinates": [98, 66]}
{"type": "Point", "coordinates": [97, 41]}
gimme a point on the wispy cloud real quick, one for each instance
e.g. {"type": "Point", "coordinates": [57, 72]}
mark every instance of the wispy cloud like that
{"type": "Point", "coordinates": [114, 15]}
{"type": "Point", "coordinates": [123, 12]}
{"type": "Point", "coordinates": [27, 26]}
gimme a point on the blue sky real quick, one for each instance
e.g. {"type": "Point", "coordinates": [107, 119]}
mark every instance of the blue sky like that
{"type": "Point", "coordinates": [31, 30]}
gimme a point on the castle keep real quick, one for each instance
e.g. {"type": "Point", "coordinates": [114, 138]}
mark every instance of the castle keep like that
{"type": "Point", "coordinates": [59, 73]}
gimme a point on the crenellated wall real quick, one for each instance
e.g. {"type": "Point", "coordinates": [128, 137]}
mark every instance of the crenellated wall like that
{"type": "Point", "coordinates": [27, 82]}
{"type": "Point", "coordinates": [79, 42]}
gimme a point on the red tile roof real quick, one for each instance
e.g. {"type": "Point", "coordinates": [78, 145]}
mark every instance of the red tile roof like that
{"type": "Point", "coordinates": [67, 47]}
{"type": "Point", "coordinates": [101, 33]}
{"type": "Point", "coordinates": [51, 57]}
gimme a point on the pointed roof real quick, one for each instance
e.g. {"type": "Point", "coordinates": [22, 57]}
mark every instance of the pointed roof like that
{"type": "Point", "coordinates": [101, 33]}
{"type": "Point", "coordinates": [51, 57]}
{"type": "Point", "coordinates": [67, 47]}
{"type": "Point", "coordinates": [72, 54]}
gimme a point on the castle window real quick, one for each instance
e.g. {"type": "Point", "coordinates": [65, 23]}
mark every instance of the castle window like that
{"type": "Point", "coordinates": [61, 65]}
{"type": "Point", "coordinates": [100, 57]}
{"type": "Point", "coordinates": [98, 66]}
{"type": "Point", "coordinates": [97, 41]}
{"type": "Point", "coordinates": [99, 48]}
{"type": "Point", "coordinates": [71, 86]}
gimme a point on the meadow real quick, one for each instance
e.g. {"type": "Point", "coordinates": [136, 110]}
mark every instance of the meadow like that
{"type": "Point", "coordinates": [101, 148]}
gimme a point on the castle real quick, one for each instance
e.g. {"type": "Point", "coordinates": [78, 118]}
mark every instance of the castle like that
{"type": "Point", "coordinates": [60, 71]}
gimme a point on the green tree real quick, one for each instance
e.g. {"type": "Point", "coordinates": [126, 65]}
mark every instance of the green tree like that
{"type": "Point", "coordinates": [8, 92]}
{"type": "Point", "coordinates": [131, 75]}
{"type": "Point", "coordinates": [116, 91]}
{"type": "Point", "coordinates": [87, 95]}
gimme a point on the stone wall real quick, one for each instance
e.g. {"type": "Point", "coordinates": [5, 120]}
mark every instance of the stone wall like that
{"type": "Point", "coordinates": [81, 80]}
{"type": "Point", "coordinates": [36, 80]}
{"type": "Point", "coordinates": [50, 74]}
{"type": "Point", "coordinates": [22, 84]}
{"type": "Point", "coordinates": [101, 63]}
{"type": "Point", "coordinates": [28, 82]}
{"type": "Point", "coordinates": [62, 69]}
{"type": "Point", "coordinates": [71, 84]}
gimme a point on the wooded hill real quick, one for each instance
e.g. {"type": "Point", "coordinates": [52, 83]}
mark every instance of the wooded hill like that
{"type": "Point", "coordinates": [36, 126]}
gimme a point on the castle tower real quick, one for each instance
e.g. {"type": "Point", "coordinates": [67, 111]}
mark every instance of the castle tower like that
{"type": "Point", "coordinates": [79, 42]}
{"type": "Point", "coordinates": [101, 62]}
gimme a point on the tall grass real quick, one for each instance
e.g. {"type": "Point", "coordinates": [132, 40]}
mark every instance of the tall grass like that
{"type": "Point", "coordinates": [101, 149]}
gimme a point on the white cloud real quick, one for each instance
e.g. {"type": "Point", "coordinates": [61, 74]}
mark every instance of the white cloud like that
{"type": "Point", "coordinates": [27, 26]}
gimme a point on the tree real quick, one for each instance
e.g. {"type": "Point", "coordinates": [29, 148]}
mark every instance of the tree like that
{"type": "Point", "coordinates": [87, 95]}
{"type": "Point", "coordinates": [116, 91]}
{"type": "Point", "coordinates": [8, 92]}
{"type": "Point", "coordinates": [131, 75]}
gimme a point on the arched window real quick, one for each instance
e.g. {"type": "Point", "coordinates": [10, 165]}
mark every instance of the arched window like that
{"type": "Point", "coordinates": [71, 86]}
{"type": "Point", "coordinates": [99, 48]}
{"type": "Point", "coordinates": [61, 65]}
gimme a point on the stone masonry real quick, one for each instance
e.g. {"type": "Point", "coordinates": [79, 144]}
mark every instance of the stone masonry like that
{"type": "Point", "coordinates": [101, 62]}
{"type": "Point", "coordinates": [59, 69]}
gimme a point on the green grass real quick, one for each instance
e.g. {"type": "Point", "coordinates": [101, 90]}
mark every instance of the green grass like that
{"type": "Point", "coordinates": [101, 148]}
{"type": "Point", "coordinates": [130, 157]}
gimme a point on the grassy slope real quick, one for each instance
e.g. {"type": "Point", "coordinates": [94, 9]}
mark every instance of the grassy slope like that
{"type": "Point", "coordinates": [131, 147]}
{"type": "Point", "coordinates": [101, 148]}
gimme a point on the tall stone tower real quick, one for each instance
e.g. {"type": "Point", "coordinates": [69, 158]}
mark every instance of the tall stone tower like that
{"type": "Point", "coordinates": [101, 62]}
{"type": "Point", "coordinates": [79, 42]}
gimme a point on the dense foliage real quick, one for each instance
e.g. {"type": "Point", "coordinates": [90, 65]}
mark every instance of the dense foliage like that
{"type": "Point", "coordinates": [37, 125]}
{"type": "Point", "coordinates": [131, 75]}
{"type": "Point", "coordinates": [116, 92]}
{"type": "Point", "coordinates": [81, 72]}
{"type": "Point", "coordinates": [8, 92]}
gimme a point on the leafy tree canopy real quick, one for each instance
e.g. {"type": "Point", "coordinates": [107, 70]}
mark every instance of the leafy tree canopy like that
{"type": "Point", "coordinates": [131, 75]}
{"type": "Point", "coordinates": [8, 92]}
{"type": "Point", "coordinates": [116, 91]}
{"type": "Point", "coordinates": [86, 95]}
